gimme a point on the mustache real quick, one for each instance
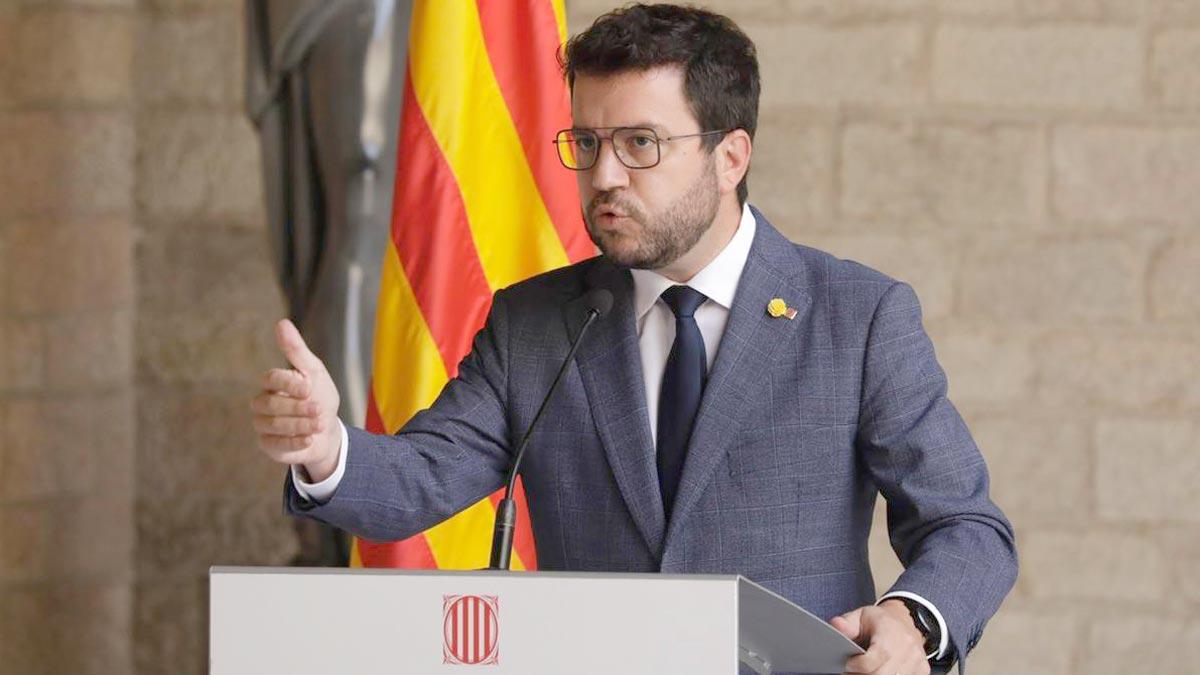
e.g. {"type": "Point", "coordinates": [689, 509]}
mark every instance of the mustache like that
{"type": "Point", "coordinates": [608, 200]}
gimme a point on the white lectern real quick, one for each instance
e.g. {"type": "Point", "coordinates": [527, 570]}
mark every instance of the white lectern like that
{"type": "Point", "coordinates": [301, 621]}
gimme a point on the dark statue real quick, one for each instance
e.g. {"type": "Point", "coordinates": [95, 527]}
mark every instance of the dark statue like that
{"type": "Point", "coordinates": [323, 87]}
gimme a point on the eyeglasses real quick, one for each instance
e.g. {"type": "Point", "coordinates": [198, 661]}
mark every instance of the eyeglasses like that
{"type": "Point", "coordinates": [635, 147]}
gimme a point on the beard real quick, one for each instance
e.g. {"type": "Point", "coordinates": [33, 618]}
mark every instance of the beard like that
{"type": "Point", "coordinates": [661, 239]}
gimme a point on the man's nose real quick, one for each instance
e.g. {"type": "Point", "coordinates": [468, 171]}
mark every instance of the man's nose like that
{"type": "Point", "coordinates": [608, 172]}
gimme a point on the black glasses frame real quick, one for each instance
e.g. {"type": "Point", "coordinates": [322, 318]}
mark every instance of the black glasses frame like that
{"type": "Point", "coordinates": [559, 141]}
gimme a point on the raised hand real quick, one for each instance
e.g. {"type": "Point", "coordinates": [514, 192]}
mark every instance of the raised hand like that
{"type": "Point", "coordinates": [295, 414]}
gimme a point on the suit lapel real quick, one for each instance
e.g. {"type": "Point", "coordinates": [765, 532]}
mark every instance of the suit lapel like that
{"type": "Point", "coordinates": [751, 336]}
{"type": "Point", "coordinates": [610, 365]}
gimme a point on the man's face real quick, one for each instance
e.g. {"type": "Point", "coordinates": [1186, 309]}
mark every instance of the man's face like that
{"type": "Point", "coordinates": [644, 218]}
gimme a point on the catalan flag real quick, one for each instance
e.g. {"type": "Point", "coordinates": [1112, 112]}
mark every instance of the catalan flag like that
{"type": "Point", "coordinates": [481, 203]}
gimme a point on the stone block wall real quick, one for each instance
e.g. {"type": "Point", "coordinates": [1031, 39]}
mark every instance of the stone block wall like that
{"type": "Point", "coordinates": [1030, 166]}
{"type": "Point", "coordinates": [207, 303]}
{"type": "Point", "coordinates": [67, 309]}
{"type": "Point", "coordinates": [136, 303]}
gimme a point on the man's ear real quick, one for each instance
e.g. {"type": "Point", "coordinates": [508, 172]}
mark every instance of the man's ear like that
{"type": "Point", "coordinates": [733, 159]}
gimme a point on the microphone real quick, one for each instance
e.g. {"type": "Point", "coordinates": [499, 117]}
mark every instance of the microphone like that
{"type": "Point", "coordinates": [598, 302]}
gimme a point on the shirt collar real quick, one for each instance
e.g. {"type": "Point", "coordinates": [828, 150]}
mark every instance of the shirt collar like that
{"type": "Point", "coordinates": [718, 280]}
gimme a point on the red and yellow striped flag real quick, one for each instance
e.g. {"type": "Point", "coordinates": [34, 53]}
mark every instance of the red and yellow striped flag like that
{"type": "Point", "coordinates": [481, 203]}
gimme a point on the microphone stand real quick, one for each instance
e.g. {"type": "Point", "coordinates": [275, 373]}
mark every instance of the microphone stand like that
{"type": "Point", "coordinates": [506, 511]}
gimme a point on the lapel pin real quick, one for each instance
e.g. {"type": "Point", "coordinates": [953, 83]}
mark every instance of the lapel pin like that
{"type": "Point", "coordinates": [777, 308]}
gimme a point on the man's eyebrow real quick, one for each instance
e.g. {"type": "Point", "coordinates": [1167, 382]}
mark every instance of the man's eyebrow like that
{"type": "Point", "coordinates": [636, 125]}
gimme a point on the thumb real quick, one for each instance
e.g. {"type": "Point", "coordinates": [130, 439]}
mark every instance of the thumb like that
{"type": "Point", "coordinates": [849, 624]}
{"type": "Point", "coordinates": [294, 349]}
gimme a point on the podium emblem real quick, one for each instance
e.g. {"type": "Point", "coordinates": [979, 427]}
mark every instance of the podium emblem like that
{"type": "Point", "coordinates": [471, 630]}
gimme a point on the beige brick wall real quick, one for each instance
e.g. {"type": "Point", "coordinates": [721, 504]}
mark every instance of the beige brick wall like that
{"type": "Point", "coordinates": [135, 313]}
{"type": "Point", "coordinates": [207, 300]}
{"type": "Point", "coordinates": [67, 307]}
{"type": "Point", "coordinates": [1030, 166]}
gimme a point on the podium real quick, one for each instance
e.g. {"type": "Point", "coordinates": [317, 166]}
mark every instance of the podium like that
{"type": "Point", "coordinates": [302, 621]}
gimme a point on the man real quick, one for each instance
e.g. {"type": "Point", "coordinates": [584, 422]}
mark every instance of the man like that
{"type": "Point", "coordinates": [737, 411]}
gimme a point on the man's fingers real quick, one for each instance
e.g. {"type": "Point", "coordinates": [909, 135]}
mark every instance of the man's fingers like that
{"type": "Point", "coordinates": [286, 449]}
{"type": "Point", "coordinates": [291, 382]}
{"type": "Point", "coordinates": [875, 658]}
{"type": "Point", "coordinates": [268, 403]}
{"type": "Point", "coordinates": [893, 646]}
{"type": "Point", "coordinates": [294, 412]}
{"type": "Point", "coordinates": [294, 349]}
{"type": "Point", "coordinates": [286, 426]}
{"type": "Point", "coordinates": [849, 624]}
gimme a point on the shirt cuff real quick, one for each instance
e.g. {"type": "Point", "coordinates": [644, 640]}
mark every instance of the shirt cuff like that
{"type": "Point", "coordinates": [321, 492]}
{"type": "Point", "coordinates": [945, 642]}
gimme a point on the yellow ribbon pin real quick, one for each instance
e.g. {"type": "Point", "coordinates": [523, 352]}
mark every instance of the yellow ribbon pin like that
{"type": "Point", "coordinates": [777, 307]}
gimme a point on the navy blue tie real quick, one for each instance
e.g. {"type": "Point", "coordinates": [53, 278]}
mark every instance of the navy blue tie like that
{"type": "Point", "coordinates": [682, 385]}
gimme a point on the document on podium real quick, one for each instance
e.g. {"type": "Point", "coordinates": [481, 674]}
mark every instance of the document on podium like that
{"type": "Point", "coordinates": [776, 635]}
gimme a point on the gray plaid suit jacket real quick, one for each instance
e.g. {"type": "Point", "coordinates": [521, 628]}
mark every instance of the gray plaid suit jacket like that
{"type": "Point", "coordinates": [802, 423]}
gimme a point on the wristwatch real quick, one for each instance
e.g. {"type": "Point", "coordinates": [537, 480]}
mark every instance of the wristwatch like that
{"type": "Point", "coordinates": [926, 623]}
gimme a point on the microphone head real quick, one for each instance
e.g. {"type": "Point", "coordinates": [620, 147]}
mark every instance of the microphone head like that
{"type": "Point", "coordinates": [600, 301]}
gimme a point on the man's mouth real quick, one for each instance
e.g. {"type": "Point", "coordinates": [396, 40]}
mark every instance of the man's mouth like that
{"type": "Point", "coordinates": [607, 211]}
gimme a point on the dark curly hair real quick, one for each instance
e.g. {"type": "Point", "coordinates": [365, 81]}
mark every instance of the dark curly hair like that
{"type": "Point", "coordinates": [719, 62]}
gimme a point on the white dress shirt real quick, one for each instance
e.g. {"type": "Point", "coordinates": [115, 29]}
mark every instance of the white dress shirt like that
{"type": "Point", "coordinates": [718, 281]}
